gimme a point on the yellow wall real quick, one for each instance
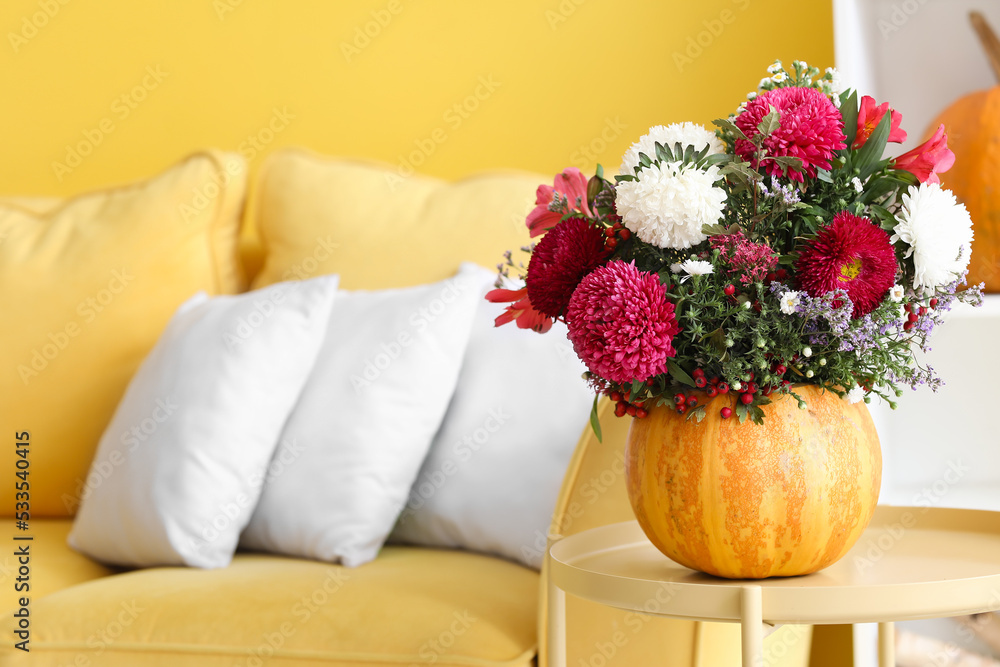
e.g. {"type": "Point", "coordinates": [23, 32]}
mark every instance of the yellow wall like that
{"type": "Point", "coordinates": [564, 78]}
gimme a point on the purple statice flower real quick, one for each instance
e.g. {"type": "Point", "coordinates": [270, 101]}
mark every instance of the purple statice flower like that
{"type": "Point", "coordinates": [788, 194]}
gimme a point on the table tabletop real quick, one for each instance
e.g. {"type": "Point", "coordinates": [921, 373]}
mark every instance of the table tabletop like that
{"type": "Point", "coordinates": [910, 563]}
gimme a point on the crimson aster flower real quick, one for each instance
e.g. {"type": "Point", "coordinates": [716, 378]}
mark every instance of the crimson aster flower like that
{"type": "Point", "coordinates": [811, 130]}
{"type": "Point", "coordinates": [621, 324]}
{"type": "Point", "coordinates": [852, 254]}
{"type": "Point", "coordinates": [567, 253]}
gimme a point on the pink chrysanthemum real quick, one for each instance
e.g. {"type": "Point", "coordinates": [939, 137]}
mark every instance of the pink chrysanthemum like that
{"type": "Point", "coordinates": [621, 324]}
{"type": "Point", "coordinates": [567, 253]}
{"type": "Point", "coordinates": [852, 254]}
{"type": "Point", "coordinates": [811, 129]}
{"type": "Point", "coordinates": [752, 261]}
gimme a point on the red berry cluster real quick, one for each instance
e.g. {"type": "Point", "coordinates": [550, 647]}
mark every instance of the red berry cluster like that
{"type": "Point", "coordinates": [915, 313]}
{"type": "Point", "coordinates": [614, 233]}
{"type": "Point", "coordinates": [780, 274]}
{"type": "Point", "coordinates": [623, 407]}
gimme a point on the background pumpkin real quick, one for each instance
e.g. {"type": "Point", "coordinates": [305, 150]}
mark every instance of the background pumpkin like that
{"type": "Point", "coordinates": [973, 127]}
{"type": "Point", "coordinates": [735, 500]}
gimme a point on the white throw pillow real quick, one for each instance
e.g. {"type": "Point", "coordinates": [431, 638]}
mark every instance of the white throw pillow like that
{"type": "Point", "coordinates": [179, 469]}
{"type": "Point", "coordinates": [365, 420]}
{"type": "Point", "coordinates": [495, 468]}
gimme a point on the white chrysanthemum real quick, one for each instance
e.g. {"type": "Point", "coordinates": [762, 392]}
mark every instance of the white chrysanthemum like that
{"type": "Point", "coordinates": [896, 293]}
{"type": "Point", "coordinates": [780, 77]}
{"type": "Point", "coordinates": [856, 395]}
{"type": "Point", "coordinates": [686, 134]}
{"type": "Point", "coordinates": [939, 232]}
{"type": "Point", "coordinates": [668, 205]}
{"type": "Point", "coordinates": [858, 187]}
{"type": "Point", "coordinates": [696, 267]}
{"type": "Point", "coordinates": [789, 302]}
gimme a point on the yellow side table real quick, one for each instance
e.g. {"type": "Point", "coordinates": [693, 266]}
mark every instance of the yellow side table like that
{"type": "Point", "coordinates": [911, 563]}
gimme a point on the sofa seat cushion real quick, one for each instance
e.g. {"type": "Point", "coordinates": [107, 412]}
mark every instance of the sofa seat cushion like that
{"type": "Point", "coordinates": [53, 565]}
{"type": "Point", "coordinates": [409, 605]}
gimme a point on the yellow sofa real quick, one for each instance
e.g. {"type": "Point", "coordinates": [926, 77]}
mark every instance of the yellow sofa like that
{"type": "Point", "coordinates": [87, 284]}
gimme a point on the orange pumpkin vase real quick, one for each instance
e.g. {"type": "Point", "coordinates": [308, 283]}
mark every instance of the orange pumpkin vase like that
{"type": "Point", "coordinates": [745, 501]}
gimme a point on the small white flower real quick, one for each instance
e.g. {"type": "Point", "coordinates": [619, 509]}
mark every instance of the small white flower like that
{"type": "Point", "coordinates": [789, 302]}
{"type": "Point", "coordinates": [809, 373]}
{"type": "Point", "coordinates": [669, 204]}
{"type": "Point", "coordinates": [779, 77]}
{"type": "Point", "coordinates": [746, 305]}
{"type": "Point", "coordinates": [858, 187]}
{"type": "Point", "coordinates": [737, 386]}
{"type": "Point", "coordinates": [696, 267]}
{"type": "Point", "coordinates": [822, 361]}
{"type": "Point", "coordinates": [764, 82]}
{"type": "Point", "coordinates": [751, 96]}
{"type": "Point", "coordinates": [774, 68]}
{"type": "Point", "coordinates": [856, 395]}
{"type": "Point", "coordinates": [807, 351]}
{"type": "Point", "coordinates": [896, 293]}
{"type": "Point", "coordinates": [686, 134]}
{"type": "Point", "coordinates": [836, 83]}
{"type": "Point", "coordinates": [939, 232]}
{"type": "Point", "coordinates": [676, 267]}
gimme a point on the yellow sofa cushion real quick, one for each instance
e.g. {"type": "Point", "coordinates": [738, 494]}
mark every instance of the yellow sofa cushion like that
{"type": "Point", "coordinates": [377, 229]}
{"type": "Point", "coordinates": [408, 606]}
{"type": "Point", "coordinates": [86, 286]}
{"type": "Point", "coordinates": [53, 565]}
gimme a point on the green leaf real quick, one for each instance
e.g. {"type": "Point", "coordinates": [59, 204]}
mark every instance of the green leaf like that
{"type": "Point", "coordinates": [688, 153]}
{"type": "Point", "coordinates": [867, 158]}
{"type": "Point", "coordinates": [787, 161]}
{"type": "Point", "coordinates": [638, 386]}
{"type": "Point", "coordinates": [621, 178]}
{"type": "Point", "coordinates": [595, 423]}
{"type": "Point", "coordinates": [849, 112]}
{"type": "Point", "coordinates": [663, 152]}
{"type": "Point", "coordinates": [594, 186]}
{"type": "Point", "coordinates": [714, 159]}
{"type": "Point", "coordinates": [742, 168]}
{"type": "Point", "coordinates": [741, 412]}
{"type": "Point", "coordinates": [824, 175]}
{"type": "Point", "coordinates": [728, 125]}
{"type": "Point", "coordinates": [698, 413]}
{"type": "Point", "coordinates": [600, 171]}
{"type": "Point", "coordinates": [679, 374]}
{"type": "Point", "coordinates": [718, 340]}
{"type": "Point", "coordinates": [770, 122]}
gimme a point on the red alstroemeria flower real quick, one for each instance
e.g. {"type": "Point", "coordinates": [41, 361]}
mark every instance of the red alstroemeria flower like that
{"type": "Point", "coordinates": [520, 311]}
{"type": "Point", "coordinates": [571, 186]}
{"type": "Point", "coordinates": [870, 115]}
{"type": "Point", "coordinates": [929, 159]}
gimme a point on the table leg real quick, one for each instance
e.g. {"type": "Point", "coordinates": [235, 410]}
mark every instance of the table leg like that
{"type": "Point", "coordinates": [752, 625]}
{"type": "Point", "coordinates": [886, 645]}
{"type": "Point", "coordinates": [557, 625]}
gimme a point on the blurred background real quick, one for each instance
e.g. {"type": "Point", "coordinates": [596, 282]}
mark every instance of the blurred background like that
{"type": "Point", "coordinates": [445, 88]}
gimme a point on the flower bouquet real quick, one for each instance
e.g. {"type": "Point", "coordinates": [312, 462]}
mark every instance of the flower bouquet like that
{"type": "Point", "coordinates": [782, 248]}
